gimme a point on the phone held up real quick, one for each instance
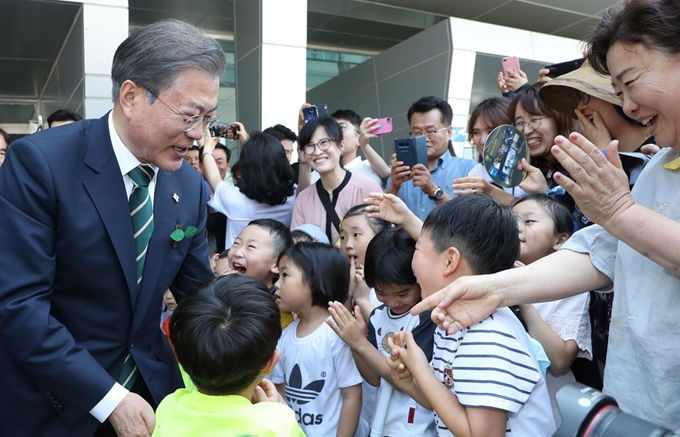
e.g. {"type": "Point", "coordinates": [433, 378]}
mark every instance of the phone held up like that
{"type": "Point", "coordinates": [411, 151]}
{"type": "Point", "coordinates": [225, 131]}
{"type": "Point", "coordinates": [564, 67]}
{"type": "Point", "coordinates": [384, 126]}
{"type": "Point", "coordinates": [314, 111]}
{"type": "Point", "coordinates": [510, 63]}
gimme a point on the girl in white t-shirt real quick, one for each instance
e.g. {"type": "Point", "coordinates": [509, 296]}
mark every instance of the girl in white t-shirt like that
{"type": "Point", "coordinates": [316, 372]}
{"type": "Point", "coordinates": [562, 326]}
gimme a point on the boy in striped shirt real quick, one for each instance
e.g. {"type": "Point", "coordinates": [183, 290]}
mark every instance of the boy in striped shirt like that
{"type": "Point", "coordinates": [486, 379]}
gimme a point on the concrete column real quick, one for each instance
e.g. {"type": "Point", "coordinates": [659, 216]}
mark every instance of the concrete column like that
{"type": "Point", "coordinates": [105, 25]}
{"type": "Point", "coordinates": [270, 39]}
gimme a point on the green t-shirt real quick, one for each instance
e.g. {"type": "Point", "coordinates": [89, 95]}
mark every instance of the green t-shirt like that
{"type": "Point", "coordinates": [191, 413]}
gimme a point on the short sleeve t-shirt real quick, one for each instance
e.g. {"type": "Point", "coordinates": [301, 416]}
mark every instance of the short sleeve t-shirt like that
{"type": "Point", "coordinates": [186, 413]}
{"type": "Point", "coordinates": [314, 368]}
{"type": "Point", "coordinates": [396, 414]}
{"type": "Point", "coordinates": [491, 364]}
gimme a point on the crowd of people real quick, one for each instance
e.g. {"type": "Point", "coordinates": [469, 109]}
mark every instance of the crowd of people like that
{"type": "Point", "coordinates": [341, 295]}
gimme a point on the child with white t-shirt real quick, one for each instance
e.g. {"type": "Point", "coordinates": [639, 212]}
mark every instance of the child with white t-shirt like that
{"type": "Point", "coordinates": [562, 326]}
{"type": "Point", "coordinates": [316, 372]}
{"type": "Point", "coordinates": [388, 270]}
{"type": "Point", "coordinates": [486, 379]}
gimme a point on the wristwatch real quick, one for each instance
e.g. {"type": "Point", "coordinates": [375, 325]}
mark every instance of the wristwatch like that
{"type": "Point", "coordinates": [438, 194]}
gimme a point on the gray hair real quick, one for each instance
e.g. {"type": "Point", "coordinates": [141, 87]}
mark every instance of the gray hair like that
{"type": "Point", "coordinates": [154, 55]}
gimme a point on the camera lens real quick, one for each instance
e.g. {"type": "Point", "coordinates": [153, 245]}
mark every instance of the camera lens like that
{"type": "Point", "coordinates": [613, 422]}
{"type": "Point", "coordinates": [587, 412]}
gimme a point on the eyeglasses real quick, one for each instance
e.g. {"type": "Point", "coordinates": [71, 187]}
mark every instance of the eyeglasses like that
{"type": "Point", "coordinates": [583, 97]}
{"type": "Point", "coordinates": [323, 144]}
{"type": "Point", "coordinates": [190, 122]}
{"type": "Point", "coordinates": [533, 123]}
{"type": "Point", "coordinates": [429, 133]}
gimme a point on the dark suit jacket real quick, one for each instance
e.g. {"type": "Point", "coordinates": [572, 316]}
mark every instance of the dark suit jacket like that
{"type": "Point", "coordinates": [70, 309]}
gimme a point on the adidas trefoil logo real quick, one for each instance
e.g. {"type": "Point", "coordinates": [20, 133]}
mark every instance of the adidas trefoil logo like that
{"type": "Point", "coordinates": [295, 393]}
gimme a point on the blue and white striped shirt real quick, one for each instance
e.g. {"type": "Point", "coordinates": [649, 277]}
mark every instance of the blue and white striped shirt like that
{"type": "Point", "coordinates": [491, 365]}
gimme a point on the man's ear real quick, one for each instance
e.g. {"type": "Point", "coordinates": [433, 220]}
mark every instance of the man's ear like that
{"type": "Point", "coordinates": [453, 259]}
{"type": "Point", "coordinates": [274, 269]}
{"type": "Point", "coordinates": [129, 96]}
{"type": "Point", "coordinates": [269, 367]}
{"type": "Point", "coordinates": [561, 239]}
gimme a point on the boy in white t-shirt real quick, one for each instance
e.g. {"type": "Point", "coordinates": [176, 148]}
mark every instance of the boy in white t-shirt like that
{"type": "Point", "coordinates": [486, 379]}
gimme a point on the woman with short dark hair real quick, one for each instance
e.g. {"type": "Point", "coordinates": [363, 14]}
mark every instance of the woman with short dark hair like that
{"type": "Point", "coordinates": [266, 188]}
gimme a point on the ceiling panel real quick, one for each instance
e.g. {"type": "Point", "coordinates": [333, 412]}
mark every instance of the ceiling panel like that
{"type": "Point", "coordinates": [368, 10]}
{"type": "Point", "coordinates": [214, 16]}
{"type": "Point", "coordinates": [22, 78]}
{"type": "Point", "coordinates": [34, 29]}
{"type": "Point", "coordinates": [587, 7]}
{"type": "Point", "coordinates": [461, 9]}
{"type": "Point", "coordinates": [368, 28]}
{"type": "Point", "coordinates": [579, 30]}
{"type": "Point", "coordinates": [529, 17]}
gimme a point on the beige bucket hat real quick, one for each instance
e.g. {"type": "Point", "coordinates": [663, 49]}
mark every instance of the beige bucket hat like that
{"type": "Point", "coordinates": [562, 94]}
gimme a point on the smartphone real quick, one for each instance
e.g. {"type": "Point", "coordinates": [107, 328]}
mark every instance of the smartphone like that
{"type": "Point", "coordinates": [564, 67]}
{"type": "Point", "coordinates": [411, 151]}
{"type": "Point", "coordinates": [510, 63]}
{"type": "Point", "coordinates": [384, 126]}
{"type": "Point", "coordinates": [314, 111]}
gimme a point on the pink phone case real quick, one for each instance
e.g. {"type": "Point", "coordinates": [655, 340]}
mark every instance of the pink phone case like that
{"type": "Point", "coordinates": [510, 63]}
{"type": "Point", "coordinates": [385, 126]}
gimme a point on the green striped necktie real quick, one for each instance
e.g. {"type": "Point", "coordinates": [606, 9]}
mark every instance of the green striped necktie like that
{"type": "Point", "coordinates": [141, 213]}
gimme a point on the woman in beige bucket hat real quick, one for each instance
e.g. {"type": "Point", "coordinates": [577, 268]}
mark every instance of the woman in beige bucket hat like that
{"type": "Point", "coordinates": [589, 97]}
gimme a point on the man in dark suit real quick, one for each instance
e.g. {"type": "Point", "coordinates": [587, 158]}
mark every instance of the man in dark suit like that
{"type": "Point", "coordinates": [86, 244]}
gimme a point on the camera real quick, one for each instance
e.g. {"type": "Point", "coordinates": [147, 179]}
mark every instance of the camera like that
{"type": "Point", "coordinates": [587, 412]}
{"type": "Point", "coordinates": [225, 131]}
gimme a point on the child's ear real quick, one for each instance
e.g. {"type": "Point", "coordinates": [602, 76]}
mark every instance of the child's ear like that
{"type": "Point", "coordinates": [452, 259]}
{"type": "Point", "coordinates": [269, 367]}
{"type": "Point", "coordinates": [561, 239]}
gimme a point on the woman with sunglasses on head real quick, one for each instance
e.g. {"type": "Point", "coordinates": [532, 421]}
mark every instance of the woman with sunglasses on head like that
{"type": "Point", "coordinates": [337, 190]}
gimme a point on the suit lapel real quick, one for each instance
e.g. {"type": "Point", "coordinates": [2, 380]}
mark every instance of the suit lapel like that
{"type": "Point", "coordinates": [107, 191]}
{"type": "Point", "coordinates": [165, 213]}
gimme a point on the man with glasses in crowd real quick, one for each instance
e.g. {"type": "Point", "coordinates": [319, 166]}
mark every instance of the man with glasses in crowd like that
{"type": "Point", "coordinates": [88, 211]}
{"type": "Point", "coordinates": [421, 188]}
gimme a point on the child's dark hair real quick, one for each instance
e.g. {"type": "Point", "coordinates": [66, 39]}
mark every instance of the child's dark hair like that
{"type": "Point", "coordinates": [226, 333]}
{"type": "Point", "coordinates": [564, 220]}
{"type": "Point", "coordinates": [388, 259]}
{"type": "Point", "coordinates": [376, 223]}
{"type": "Point", "coordinates": [281, 237]}
{"type": "Point", "coordinates": [325, 270]}
{"type": "Point", "coordinates": [481, 228]}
